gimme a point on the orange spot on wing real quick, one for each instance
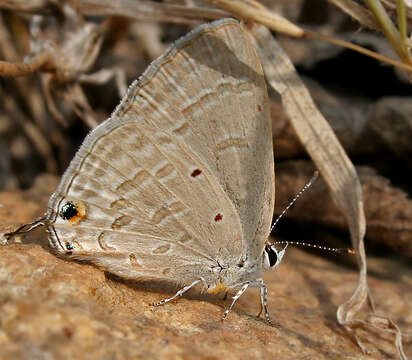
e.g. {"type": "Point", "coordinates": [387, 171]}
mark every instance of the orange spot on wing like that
{"type": "Point", "coordinates": [80, 215]}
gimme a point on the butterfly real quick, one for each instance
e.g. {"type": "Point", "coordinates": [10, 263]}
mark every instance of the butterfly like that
{"type": "Point", "coordinates": [178, 184]}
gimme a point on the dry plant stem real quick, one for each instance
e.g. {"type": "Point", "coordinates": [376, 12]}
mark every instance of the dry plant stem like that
{"type": "Point", "coordinates": [33, 133]}
{"type": "Point", "coordinates": [359, 49]}
{"type": "Point", "coordinates": [31, 6]}
{"type": "Point", "coordinates": [34, 99]}
{"type": "Point", "coordinates": [104, 75]}
{"type": "Point", "coordinates": [80, 104]}
{"type": "Point", "coordinates": [33, 130]}
{"type": "Point", "coordinates": [277, 23]}
{"type": "Point", "coordinates": [382, 323]}
{"type": "Point", "coordinates": [366, 17]}
{"type": "Point", "coordinates": [149, 36]}
{"type": "Point", "coordinates": [402, 24]}
{"type": "Point", "coordinates": [140, 10]}
{"type": "Point", "coordinates": [46, 80]}
{"type": "Point", "coordinates": [330, 158]}
{"type": "Point", "coordinates": [324, 149]}
{"type": "Point", "coordinates": [7, 45]}
{"type": "Point", "coordinates": [15, 69]}
{"type": "Point", "coordinates": [357, 12]}
{"type": "Point", "coordinates": [392, 4]}
{"type": "Point", "coordinates": [389, 30]}
{"type": "Point", "coordinates": [260, 14]}
{"type": "Point", "coordinates": [149, 11]}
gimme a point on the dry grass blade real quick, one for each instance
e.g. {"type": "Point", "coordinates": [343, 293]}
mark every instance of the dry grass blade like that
{"type": "Point", "coordinates": [390, 30]}
{"type": "Point", "coordinates": [33, 133]}
{"type": "Point", "coordinates": [253, 11]}
{"type": "Point", "coordinates": [149, 11]}
{"type": "Point", "coordinates": [392, 4]}
{"type": "Point", "coordinates": [329, 156]}
{"type": "Point", "coordinates": [37, 6]}
{"type": "Point", "coordinates": [136, 9]}
{"type": "Point", "coordinates": [383, 322]}
{"type": "Point", "coordinates": [378, 19]}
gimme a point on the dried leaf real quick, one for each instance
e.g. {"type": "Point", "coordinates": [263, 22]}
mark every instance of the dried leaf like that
{"type": "Point", "coordinates": [327, 153]}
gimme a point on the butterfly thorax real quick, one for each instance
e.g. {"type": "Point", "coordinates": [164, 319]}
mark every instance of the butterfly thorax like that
{"type": "Point", "coordinates": [234, 275]}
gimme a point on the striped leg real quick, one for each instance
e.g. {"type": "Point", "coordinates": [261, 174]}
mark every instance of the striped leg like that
{"type": "Point", "coordinates": [237, 296]}
{"type": "Point", "coordinates": [179, 293]}
{"type": "Point", "coordinates": [264, 300]}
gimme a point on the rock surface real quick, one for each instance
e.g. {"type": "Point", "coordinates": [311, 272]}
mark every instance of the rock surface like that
{"type": "Point", "coordinates": [55, 309]}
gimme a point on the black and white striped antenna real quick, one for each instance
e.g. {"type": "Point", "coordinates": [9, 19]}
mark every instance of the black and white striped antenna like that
{"type": "Point", "coordinates": [297, 243]}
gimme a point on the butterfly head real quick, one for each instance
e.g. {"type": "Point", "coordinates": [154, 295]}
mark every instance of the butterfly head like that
{"type": "Point", "coordinates": [272, 256]}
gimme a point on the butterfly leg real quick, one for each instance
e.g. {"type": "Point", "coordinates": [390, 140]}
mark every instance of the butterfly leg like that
{"type": "Point", "coordinates": [263, 299]}
{"type": "Point", "coordinates": [179, 293]}
{"type": "Point", "coordinates": [237, 296]}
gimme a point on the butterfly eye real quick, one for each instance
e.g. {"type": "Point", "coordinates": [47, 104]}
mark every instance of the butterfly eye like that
{"type": "Point", "coordinates": [271, 256]}
{"type": "Point", "coordinates": [68, 211]}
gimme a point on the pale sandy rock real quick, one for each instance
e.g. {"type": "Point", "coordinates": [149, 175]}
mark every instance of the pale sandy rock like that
{"type": "Point", "coordinates": [55, 309]}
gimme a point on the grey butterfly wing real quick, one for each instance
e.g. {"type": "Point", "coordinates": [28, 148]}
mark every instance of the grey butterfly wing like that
{"type": "Point", "coordinates": [209, 91]}
{"type": "Point", "coordinates": [151, 209]}
{"type": "Point", "coordinates": [144, 206]}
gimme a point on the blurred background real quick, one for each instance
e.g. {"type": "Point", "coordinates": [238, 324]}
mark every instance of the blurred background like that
{"type": "Point", "coordinates": [96, 50]}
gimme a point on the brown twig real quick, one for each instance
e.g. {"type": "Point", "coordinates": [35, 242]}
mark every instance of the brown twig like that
{"type": "Point", "coordinates": [14, 69]}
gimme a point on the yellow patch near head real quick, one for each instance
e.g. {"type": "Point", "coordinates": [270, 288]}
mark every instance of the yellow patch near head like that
{"type": "Point", "coordinates": [217, 289]}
